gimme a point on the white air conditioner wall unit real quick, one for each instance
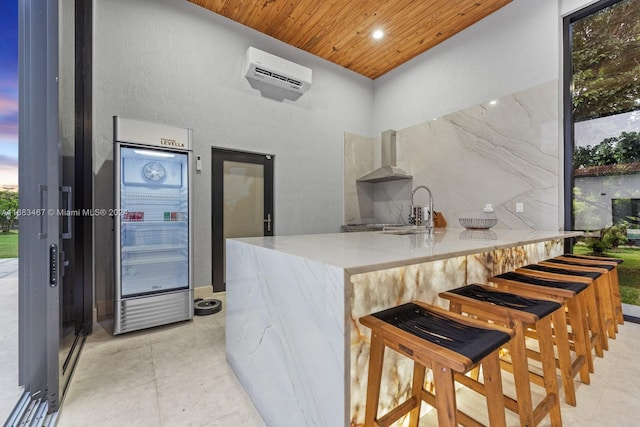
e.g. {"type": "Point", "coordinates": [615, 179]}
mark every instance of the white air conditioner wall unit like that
{"type": "Point", "coordinates": [265, 67]}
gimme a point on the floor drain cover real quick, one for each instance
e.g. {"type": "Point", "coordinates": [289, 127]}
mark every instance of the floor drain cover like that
{"type": "Point", "coordinates": [205, 307]}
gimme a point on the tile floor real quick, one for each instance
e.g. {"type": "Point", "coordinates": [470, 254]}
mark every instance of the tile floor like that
{"type": "Point", "coordinates": [173, 375]}
{"type": "Point", "coordinates": [177, 375]}
{"type": "Point", "coordinates": [9, 390]}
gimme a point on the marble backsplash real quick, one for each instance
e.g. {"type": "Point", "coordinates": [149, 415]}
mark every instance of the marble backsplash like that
{"type": "Point", "coordinates": [358, 160]}
{"type": "Point", "coordinates": [384, 202]}
{"type": "Point", "coordinates": [502, 152]}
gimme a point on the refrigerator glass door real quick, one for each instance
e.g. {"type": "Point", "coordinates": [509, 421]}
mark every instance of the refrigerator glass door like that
{"type": "Point", "coordinates": [154, 221]}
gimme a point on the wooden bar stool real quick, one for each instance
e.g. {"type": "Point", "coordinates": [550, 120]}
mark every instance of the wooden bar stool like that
{"type": "Point", "coordinates": [571, 295]}
{"type": "Point", "coordinates": [519, 313]}
{"type": "Point", "coordinates": [603, 291]}
{"type": "Point", "coordinates": [592, 316]}
{"type": "Point", "coordinates": [608, 284]}
{"type": "Point", "coordinates": [611, 265]}
{"type": "Point", "coordinates": [444, 342]}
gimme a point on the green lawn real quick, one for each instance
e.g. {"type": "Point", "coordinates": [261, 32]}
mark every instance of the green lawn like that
{"type": "Point", "coordinates": [628, 271]}
{"type": "Point", "coordinates": [9, 244]}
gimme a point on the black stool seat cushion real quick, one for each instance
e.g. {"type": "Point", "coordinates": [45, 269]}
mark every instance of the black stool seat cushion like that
{"type": "Point", "coordinates": [516, 277]}
{"type": "Point", "coordinates": [592, 274]}
{"type": "Point", "coordinates": [607, 267]}
{"type": "Point", "coordinates": [616, 260]}
{"type": "Point", "coordinates": [474, 343]}
{"type": "Point", "coordinates": [540, 308]}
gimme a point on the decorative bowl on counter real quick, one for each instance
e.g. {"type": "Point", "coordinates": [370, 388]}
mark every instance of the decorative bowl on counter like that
{"type": "Point", "coordinates": [478, 223]}
{"type": "Point", "coordinates": [478, 220]}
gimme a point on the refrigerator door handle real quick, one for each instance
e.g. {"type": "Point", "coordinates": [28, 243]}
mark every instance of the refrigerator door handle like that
{"type": "Point", "coordinates": [268, 221]}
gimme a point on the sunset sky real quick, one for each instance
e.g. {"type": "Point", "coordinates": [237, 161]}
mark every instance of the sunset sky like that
{"type": "Point", "coordinates": [8, 92]}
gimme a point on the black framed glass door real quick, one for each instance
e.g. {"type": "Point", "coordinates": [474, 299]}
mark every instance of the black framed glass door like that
{"type": "Point", "coordinates": [55, 185]}
{"type": "Point", "coordinates": [602, 137]}
{"type": "Point", "coordinates": [242, 202]}
{"type": "Point", "coordinates": [40, 178]}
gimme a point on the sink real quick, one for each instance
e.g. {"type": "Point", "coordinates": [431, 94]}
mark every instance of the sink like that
{"type": "Point", "coordinates": [406, 229]}
{"type": "Point", "coordinates": [404, 232]}
{"type": "Point", "coordinates": [367, 227]}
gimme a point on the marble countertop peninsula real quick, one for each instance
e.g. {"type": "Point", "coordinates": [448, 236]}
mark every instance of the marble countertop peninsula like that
{"type": "Point", "coordinates": [362, 252]}
{"type": "Point", "coordinates": [293, 337]}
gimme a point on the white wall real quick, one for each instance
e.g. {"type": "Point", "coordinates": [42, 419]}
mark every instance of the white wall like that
{"type": "Point", "coordinates": [173, 62]}
{"type": "Point", "coordinates": [511, 50]}
{"type": "Point", "coordinates": [568, 7]}
{"type": "Point", "coordinates": [594, 195]}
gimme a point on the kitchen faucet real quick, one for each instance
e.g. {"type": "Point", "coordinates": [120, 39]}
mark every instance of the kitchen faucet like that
{"type": "Point", "coordinates": [413, 212]}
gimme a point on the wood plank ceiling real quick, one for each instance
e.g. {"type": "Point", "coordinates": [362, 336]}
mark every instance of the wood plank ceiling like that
{"type": "Point", "coordinates": [340, 30]}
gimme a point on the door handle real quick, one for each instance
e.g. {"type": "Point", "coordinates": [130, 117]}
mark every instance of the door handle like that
{"type": "Point", "coordinates": [44, 227]}
{"type": "Point", "coordinates": [268, 221]}
{"type": "Point", "coordinates": [66, 194]}
{"type": "Point", "coordinates": [65, 263]}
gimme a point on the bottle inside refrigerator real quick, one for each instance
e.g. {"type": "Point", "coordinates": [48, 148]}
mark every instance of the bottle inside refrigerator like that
{"type": "Point", "coordinates": [153, 225]}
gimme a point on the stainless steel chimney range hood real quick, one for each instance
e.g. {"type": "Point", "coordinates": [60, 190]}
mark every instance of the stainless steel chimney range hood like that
{"type": "Point", "coordinates": [388, 171]}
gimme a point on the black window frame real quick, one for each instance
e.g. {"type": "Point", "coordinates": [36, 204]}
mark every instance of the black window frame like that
{"type": "Point", "coordinates": [567, 107]}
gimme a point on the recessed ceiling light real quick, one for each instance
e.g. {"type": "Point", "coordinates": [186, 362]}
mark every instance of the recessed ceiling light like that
{"type": "Point", "coordinates": [378, 34]}
{"type": "Point", "coordinates": [493, 102]}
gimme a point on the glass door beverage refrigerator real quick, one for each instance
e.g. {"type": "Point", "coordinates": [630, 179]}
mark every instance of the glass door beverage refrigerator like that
{"type": "Point", "coordinates": [153, 226]}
